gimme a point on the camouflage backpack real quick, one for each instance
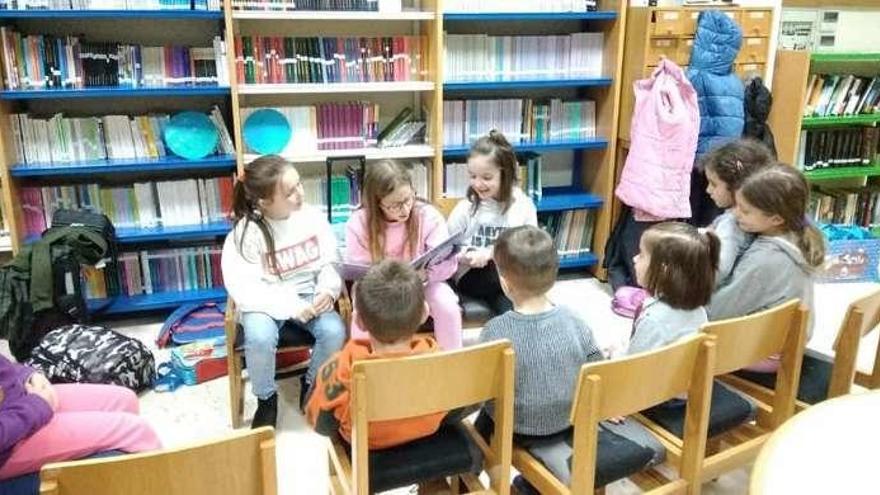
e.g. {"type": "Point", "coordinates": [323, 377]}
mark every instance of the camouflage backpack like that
{"type": "Point", "coordinates": [93, 354]}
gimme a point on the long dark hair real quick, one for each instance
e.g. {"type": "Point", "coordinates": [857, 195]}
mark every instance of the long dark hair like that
{"type": "Point", "coordinates": [259, 181]}
{"type": "Point", "coordinates": [496, 147]}
{"type": "Point", "coordinates": [732, 162]}
{"type": "Point", "coordinates": [782, 190]}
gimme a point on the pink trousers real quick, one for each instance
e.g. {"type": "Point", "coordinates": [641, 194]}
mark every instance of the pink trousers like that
{"type": "Point", "coordinates": [443, 306]}
{"type": "Point", "coordinates": [89, 419]}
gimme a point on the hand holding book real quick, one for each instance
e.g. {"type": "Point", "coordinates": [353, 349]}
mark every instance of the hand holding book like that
{"type": "Point", "coordinates": [438, 254]}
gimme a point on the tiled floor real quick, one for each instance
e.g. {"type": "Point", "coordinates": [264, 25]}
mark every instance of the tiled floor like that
{"type": "Point", "coordinates": [194, 413]}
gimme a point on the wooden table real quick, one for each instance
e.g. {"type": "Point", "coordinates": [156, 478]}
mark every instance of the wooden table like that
{"type": "Point", "coordinates": [828, 448]}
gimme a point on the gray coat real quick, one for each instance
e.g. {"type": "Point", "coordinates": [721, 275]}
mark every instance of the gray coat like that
{"type": "Point", "coordinates": [770, 272]}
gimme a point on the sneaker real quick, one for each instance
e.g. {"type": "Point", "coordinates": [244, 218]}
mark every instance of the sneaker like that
{"type": "Point", "coordinates": [304, 388]}
{"type": "Point", "coordinates": [267, 412]}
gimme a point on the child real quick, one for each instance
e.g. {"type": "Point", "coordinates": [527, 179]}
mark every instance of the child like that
{"type": "Point", "coordinates": [551, 345]}
{"type": "Point", "coordinates": [277, 268]}
{"type": "Point", "coordinates": [494, 203]}
{"type": "Point", "coordinates": [390, 303]}
{"type": "Point", "coordinates": [778, 266]}
{"type": "Point", "coordinates": [393, 224]}
{"type": "Point", "coordinates": [42, 423]}
{"type": "Point", "coordinates": [676, 264]}
{"type": "Point", "coordinates": [726, 167]}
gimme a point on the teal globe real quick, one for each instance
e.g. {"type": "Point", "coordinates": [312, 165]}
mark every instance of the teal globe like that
{"type": "Point", "coordinates": [266, 131]}
{"type": "Point", "coordinates": [191, 135]}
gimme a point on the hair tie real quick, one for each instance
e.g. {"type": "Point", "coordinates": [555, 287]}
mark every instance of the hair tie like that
{"type": "Point", "coordinates": [702, 230]}
{"type": "Point", "coordinates": [739, 166]}
{"type": "Point", "coordinates": [256, 214]}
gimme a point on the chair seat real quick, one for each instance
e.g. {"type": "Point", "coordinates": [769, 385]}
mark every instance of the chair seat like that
{"type": "Point", "coordinates": [815, 379]}
{"type": "Point", "coordinates": [449, 451]}
{"type": "Point", "coordinates": [29, 484]}
{"type": "Point", "coordinates": [474, 309]}
{"type": "Point", "coordinates": [290, 335]}
{"type": "Point", "coordinates": [727, 411]}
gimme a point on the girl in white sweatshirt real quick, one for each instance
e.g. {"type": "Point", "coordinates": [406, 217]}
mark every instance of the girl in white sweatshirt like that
{"type": "Point", "coordinates": [277, 267]}
{"type": "Point", "coordinates": [494, 203]}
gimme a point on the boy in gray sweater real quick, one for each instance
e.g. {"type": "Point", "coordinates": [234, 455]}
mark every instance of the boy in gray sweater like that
{"type": "Point", "coordinates": [551, 345]}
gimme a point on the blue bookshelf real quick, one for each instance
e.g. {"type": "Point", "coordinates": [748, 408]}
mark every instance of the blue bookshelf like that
{"type": "Point", "coordinates": [584, 144]}
{"type": "Point", "coordinates": [153, 302]}
{"type": "Point", "coordinates": [111, 14]}
{"type": "Point", "coordinates": [578, 261]}
{"type": "Point", "coordinates": [530, 83]}
{"type": "Point", "coordinates": [137, 165]}
{"type": "Point", "coordinates": [173, 233]}
{"type": "Point", "coordinates": [599, 15]}
{"type": "Point", "coordinates": [567, 198]}
{"type": "Point", "coordinates": [113, 92]}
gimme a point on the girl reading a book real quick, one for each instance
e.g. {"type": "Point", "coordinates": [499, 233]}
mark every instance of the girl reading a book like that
{"type": "Point", "coordinates": [393, 224]}
{"type": "Point", "coordinates": [277, 267]}
{"type": "Point", "coordinates": [494, 203]}
{"type": "Point", "coordinates": [726, 168]}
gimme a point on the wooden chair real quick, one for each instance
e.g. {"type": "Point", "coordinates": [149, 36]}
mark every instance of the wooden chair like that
{"type": "Point", "coordinates": [242, 463]}
{"type": "Point", "coordinates": [821, 380]}
{"type": "Point", "coordinates": [625, 386]}
{"type": "Point", "coordinates": [741, 342]}
{"type": "Point", "coordinates": [293, 341]}
{"type": "Point", "coordinates": [388, 389]}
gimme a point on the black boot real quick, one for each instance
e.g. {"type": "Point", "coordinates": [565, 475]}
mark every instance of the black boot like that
{"type": "Point", "coordinates": [304, 387]}
{"type": "Point", "coordinates": [267, 412]}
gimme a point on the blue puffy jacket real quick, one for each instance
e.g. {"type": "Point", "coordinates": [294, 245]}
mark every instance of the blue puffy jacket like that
{"type": "Point", "coordinates": [719, 89]}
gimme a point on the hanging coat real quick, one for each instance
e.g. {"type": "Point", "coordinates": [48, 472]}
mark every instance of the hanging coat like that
{"type": "Point", "coordinates": [719, 89]}
{"type": "Point", "coordinates": [758, 101]}
{"type": "Point", "coordinates": [655, 180]}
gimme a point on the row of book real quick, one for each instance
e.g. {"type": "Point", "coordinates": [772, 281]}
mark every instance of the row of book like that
{"type": "Point", "coordinates": [482, 57]}
{"type": "Point", "coordinates": [67, 140]}
{"type": "Point", "coordinates": [521, 120]}
{"type": "Point", "coordinates": [456, 178]}
{"type": "Point", "coordinates": [572, 230]}
{"type": "Point", "coordinates": [846, 206]}
{"type": "Point", "coordinates": [836, 95]}
{"type": "Point", "coordinates": [288, 60]}
{"type": "Point", "coordinates": [519, 5]}
{"type": "Point", "coordinates": [325, 126]}
{"type": "Point", "coordinates": [154, 271]}
{"type": "Point", "coordinates": [65, 62]}
{"type": "Point", "coordinates": [847, 147]}
{"type": "Point", "coordinates": [292, 5]}
{"type": "Point", "coordinates": [110, 4]}
{"type": "Point", "coordinates": [142, 204]}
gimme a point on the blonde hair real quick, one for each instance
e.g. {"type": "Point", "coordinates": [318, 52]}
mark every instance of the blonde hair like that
{"type": "Point", "coordinates": [382, 179]}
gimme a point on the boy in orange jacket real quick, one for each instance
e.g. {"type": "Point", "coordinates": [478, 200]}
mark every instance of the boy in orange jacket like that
{"type": "Point", "coordinates": [389, 302]}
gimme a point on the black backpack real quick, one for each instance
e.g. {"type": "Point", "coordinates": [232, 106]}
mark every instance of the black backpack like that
{"type": "Point", "coordinates": [94, 354]}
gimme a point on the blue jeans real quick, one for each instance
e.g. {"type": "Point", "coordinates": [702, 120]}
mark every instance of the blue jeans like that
{"type": "Point", "coordinates": [261, 342]}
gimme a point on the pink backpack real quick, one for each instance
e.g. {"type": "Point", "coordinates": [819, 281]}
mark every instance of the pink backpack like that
{"type": "Point", "coordinates": [628, 300]}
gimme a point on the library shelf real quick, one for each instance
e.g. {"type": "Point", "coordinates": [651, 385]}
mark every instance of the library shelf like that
{"type": "Point", "coordinates": [578, 261]}
{"type": "Point", "coordinates": [581, 144]}
{"type": "Point", "coordinates": [136, 235]}
{"type": "Point", "coordinates": [860, 119]}
{"type": "Point", "coordinates": [526, 82]}
{"type": "Point", "coordinates": [163, 14]}
{"type": "Point", "coordinates": [122, 166]}
{"type": "Point", "coordinates": [567, 198]}
{"type": "Point", "coordinates": [598, 15]}
{"type": "Point", "coordinates": [312, 15]}
{"type": "Point", "coordinates": [331, 88]}
{"type": "Point", "coordinates": [152, 302]}
{"type": "Point", "coordinates": [845, 57]}
{"type": "Point", "coordinates": [372, 153]}
{"type": "Point", "coordinates": [113, 92]}
{"type": "Point", "coordinates": [843, 172]}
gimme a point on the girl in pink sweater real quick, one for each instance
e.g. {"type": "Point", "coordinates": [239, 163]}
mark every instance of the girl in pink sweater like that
{"type": "Point", "coordinates": [392, 223]}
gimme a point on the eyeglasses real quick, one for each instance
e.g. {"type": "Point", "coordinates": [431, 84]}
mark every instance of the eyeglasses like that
{"type": "Point", "coordinates": [398, 206]}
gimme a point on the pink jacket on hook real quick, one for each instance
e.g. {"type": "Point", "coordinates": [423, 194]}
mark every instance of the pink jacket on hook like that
{"type": "Point", "coordinates": [656, 179]}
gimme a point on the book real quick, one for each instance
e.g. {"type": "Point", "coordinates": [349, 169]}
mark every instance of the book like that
{"type": "Point", "coordinates": [295, 5]}
{"type": "Point", "coordinates": [438, 254]}
{"type": "Point", "coordinates": [519, 6]}
{"type": "Point", "coordinates": [839, 147]}
{"type": "Point", "coordinates": [831, 95]}
{"type": "Point", "coordinates": [571, 230]}
{"type": "Point", "coordinates": [110, 5]}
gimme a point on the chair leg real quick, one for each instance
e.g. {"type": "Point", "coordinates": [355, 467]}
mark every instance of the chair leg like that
{"type": "Point", "coordinates": [236, 395]}
{"type": "Point", "coordinates": [713, 445]}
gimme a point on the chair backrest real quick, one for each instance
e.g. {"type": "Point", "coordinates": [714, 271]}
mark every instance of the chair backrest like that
{"type": "Point", "coordinates": [862, 317]}
{"type": "Point", "coordinates": [242, 463]}
{"type": "Point", "coordinates": [747, 340]}
{"type": "Point", "coordinates": [632, 384]}
{"type": "Point", "coordinates": [387, 389]}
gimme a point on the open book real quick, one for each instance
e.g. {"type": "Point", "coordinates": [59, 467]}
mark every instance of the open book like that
{"type": "Point", "coordinates": [440, 253]}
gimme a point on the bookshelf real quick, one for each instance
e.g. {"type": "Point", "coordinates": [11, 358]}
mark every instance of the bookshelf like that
{"type": "Point", "coordinates": [194, 28]}
{"type": "Point", "coordinates": [590, 161]}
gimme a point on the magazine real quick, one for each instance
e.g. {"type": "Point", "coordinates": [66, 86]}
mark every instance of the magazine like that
{"type": "Point", "coordinates": [440, 253]}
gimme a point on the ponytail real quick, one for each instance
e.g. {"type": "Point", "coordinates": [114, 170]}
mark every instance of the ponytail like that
{"type": "Point", "coordinates": [812, 244]}
{"type": "Point", "coordinates": [713, 247]}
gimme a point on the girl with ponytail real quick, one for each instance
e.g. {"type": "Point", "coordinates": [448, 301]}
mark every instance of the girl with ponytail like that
{"type": "Point", "coordinates": [277, 267]}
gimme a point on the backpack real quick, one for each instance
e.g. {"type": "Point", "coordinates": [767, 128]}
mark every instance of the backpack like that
{"type": "Point", "coordinates": [627, 301]}
{"type": "Point", "coordinates": [93, 354]}
{"type": "Point", "coordinates": [192, 323]}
